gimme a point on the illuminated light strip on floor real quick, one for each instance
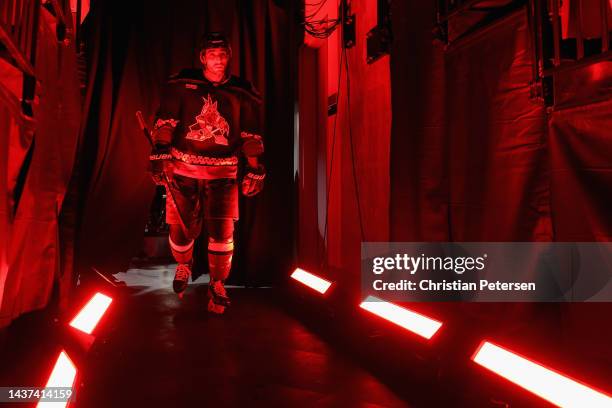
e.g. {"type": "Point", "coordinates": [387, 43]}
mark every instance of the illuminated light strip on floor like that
{"type": "Point", "coordinates": [63, 375]}
{"type": "Point", "coordinates": [312, 281]}
{"type": "Point", "coordinates": [544, 382]}
{"type": "Point", "coordinates": [417, 323]}
{"type": "Point", "coordinates": [92, 312]}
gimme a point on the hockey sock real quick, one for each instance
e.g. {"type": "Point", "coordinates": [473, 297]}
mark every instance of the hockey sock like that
{"type": "Point", "coordinates": [181, 253]}
{"type": "Point", "coordinates": [220, 259]}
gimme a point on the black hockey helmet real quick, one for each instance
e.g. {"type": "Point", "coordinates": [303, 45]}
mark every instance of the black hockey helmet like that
{"type": "Point", "coordinates": [215, 40]}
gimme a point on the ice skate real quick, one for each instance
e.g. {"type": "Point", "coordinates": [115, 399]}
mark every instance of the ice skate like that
{"type": "Point", "coordinates": [181, 278]}
{"type": "Point", "coordinates": [217, 297]}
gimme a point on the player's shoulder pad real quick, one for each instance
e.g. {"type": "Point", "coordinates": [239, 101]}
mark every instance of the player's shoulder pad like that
{"type": "Point", "coordinates": [247, 87]}
{"type": "Point", "coordinates": [186, 75]}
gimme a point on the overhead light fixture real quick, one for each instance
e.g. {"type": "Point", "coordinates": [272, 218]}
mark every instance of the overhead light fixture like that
{"type": "Point", "coordinates": [546, 383]}
{"type": "Point", "coordinates": [89, 316]}
{"type": "Point", "coordinates": [312, 281]}
{"type": "Point", "coordinates": [415, 322]}
{"type": "Point", "coordinates": [63, 375]}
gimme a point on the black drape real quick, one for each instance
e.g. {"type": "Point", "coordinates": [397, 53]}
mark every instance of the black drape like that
{"type": "Point", "coordinates": [131, 52]}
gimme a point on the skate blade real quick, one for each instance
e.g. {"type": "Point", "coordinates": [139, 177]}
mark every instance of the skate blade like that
{"type": "Point", "coordinates": [220, 302]}
{"type": "Point", "coordinates": [215, 308]}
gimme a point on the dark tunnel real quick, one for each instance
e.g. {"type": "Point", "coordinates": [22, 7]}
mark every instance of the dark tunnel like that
{"type": "Point", "coordinates": [336, 203]}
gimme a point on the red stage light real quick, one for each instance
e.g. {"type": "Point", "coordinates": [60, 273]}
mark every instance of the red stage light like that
{"type": "Point", "coordinates": [415, 322]}
{"type": "Point", "coordinates": [92, 312]}
{"type": "Point", "coordinates": [63, 375]}
{"type": "Point", "coordinates": [544, 382]}
{"type": "Point", "coordinates": [312, 281]}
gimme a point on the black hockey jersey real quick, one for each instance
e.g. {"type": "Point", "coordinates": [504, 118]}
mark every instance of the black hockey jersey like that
{"type": "Point", "coordinates": [208, 125]}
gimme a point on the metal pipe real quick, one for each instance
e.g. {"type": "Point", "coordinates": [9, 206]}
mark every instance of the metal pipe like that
{"type": "Point", "coordinates": [556, 34]}
{"type": "Point", "coordinates": [605, 35]}
{"type": "Point", "coordinates": [17, 25]}
{"type": "Point", "coordinates": [593, 59]}
{"type": "Point", "coordinates": [10, 7]}
{"type": "Point", "coordinates": [26, 25]}
{"type": "Point", "coordinates": [29, 82]}
{"type": "Point", "coordinates": [579, 40]}
{"type": "Point", "coordinates": [537, 4]}
{"type": "Point", "coordinates": [532, 27]}
{"type": "Point", "coordinates": [78, 25]}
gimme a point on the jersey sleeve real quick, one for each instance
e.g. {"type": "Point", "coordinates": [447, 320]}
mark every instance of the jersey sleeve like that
{"type": "Point", "coordinates": [166, 118]}
{"type": "Point", "coordinates": [251, 127]}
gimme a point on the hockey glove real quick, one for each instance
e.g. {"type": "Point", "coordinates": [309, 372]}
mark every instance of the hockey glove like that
{"type": "Point", "coordinates": [253, 180]}
{"type": "Point", "coordinates": [157, 157]}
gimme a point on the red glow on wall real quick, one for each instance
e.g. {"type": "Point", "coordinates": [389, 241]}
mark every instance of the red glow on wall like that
{"type": "Point", "coordinates": [546, 383]}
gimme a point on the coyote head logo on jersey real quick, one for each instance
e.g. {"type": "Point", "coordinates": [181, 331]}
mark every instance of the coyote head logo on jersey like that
{"type": "Point", "coordinates": [209, 124]}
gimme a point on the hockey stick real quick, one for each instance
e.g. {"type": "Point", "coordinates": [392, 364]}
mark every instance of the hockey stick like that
{"type": "Point", "coordinates": [147, 135]}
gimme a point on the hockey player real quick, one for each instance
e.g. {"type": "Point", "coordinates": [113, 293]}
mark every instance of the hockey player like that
{"type": "Point", "coordinates": [207, 120]}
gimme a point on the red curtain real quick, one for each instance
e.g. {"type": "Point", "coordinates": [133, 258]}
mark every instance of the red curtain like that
{"type": "Point", "coordinates": [581, 172]}
{"type": "Point", "coordinates": [475, 157]}
{"type": "Point", "coordinates": [497, 154]}
{"type": "Point", "coordinates": [38, 173]}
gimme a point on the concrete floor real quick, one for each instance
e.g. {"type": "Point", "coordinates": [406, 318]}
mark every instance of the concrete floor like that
{"type": "Point", "coordinates": [158, 350]}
